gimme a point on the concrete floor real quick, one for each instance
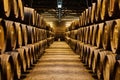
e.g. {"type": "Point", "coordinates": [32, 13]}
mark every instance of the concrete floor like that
{"type": "Point", "coordinates": [59, 63]}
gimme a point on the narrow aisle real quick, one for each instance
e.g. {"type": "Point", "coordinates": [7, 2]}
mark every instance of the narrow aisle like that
{"type": "Point", "coordinates": [59, 63]}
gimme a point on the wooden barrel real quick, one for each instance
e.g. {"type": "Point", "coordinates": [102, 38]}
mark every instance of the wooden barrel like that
{"type": "Point", "coordinates": [87, 34]}
{"type": "Point", "coordinates": [90, 57]}
{"type": "Point", "coordinates": [100, 35]}
{"type": "Point", "coordinates": [114, 36]}
{"type": "Point", "coordinates": [31, 54]}
{"type": "Point", "coordinates": [21, 9]}
{"type": "Point", "coordinates": [98, 8]}
{"type": "Point", "coordinates": [82, 49]}
{"type": "Point", "coordinates": [119, 4]}
{"type": "Point", "coordinates": [100, 63]}
{"type": "Point", "coordinates": [108, 68]}
{"type": "Point", "coordinates": [89, 14]}
{"type": "Point", "coordinates": [90, 34]}
{"type": "Point", "coordinates": [27, 51]}
{"type": "Point", "coordinates": [17, 64]}
{"type": "Point", "coordinates": [3, 37]}
{"type": "Point", "coordinates": [117, 70]}
{"type": "Point", "coordinates": [113, 8]}
{"type": "Point", "coordinates": [23, 59]}
{"type": "Point", "coordinates": [95, 33]}
{"type": "Point", "coordinates": [30, 34]}
{"type": "Point", "coordinates": [88, 52]}
{"type": "Point", "coordinates": [14, 9]}
{"type": "Point", "coordinates": [106, 35]}
{"type": "Point", "coordinates": [7, 67]}
{"type": "Point", "coordinates": [104, 11]}
{"type": "Point", "coordinates": [18, 34]}
{"type": "Point", "coordinates": [24, 34]}
{"type": "Point", "coordinates": [86, 15]}
{"type": "Point", "coordinates": [29, 16]}
{"type": "Point", "coordinates": [5, 8]}
{"type": "Point", "coordinates": [93, 13]}
{"type": "Point", "coordinates": [94, 61]}
{"type": "Point", "coordinates": [10, 35]}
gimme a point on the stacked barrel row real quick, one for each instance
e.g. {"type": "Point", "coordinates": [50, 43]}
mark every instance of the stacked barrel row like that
{"type": "Point", "coordinates": [97, 41]}
{"type": "Point", "coordinates": [24, 35]}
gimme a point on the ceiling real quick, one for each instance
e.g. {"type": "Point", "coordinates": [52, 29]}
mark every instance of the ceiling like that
{"type": "Point", "coordinates": [48, 9]}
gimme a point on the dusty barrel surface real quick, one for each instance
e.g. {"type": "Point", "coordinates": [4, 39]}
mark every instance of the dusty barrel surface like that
{"type": "Point", "coordinates": [23, 59]}
{"type": "Point", "coordinates": [106, 35]}
{"type": "Point", "coordinates": [7, 67]}
{"type": "Point", "coordinates": [108, 68]}
{"type": "Point", "coordinates": [18, 34]}
{"type": "Point", "coordinates": [115, 36]}
{"type": "Point", "coordinates": [113, 8]}
{"type": "Point", "coordinates": [5, 7]}
{"type": "Point", "coordinates": [29, 15]}
{"type": "Point", "coordinates": [24, 34]}
{"type": "Point", "coordinates": [17, 64]}
{"type": "Point", "coordinates": [100, 35]}
{"type": "Point", "coordinates": [104, 12]}
{"type": "Point", "coordinates": [117, 70]}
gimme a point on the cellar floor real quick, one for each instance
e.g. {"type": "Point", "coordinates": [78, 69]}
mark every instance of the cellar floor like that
{"type": "Point", "coordinates": [59, 62]}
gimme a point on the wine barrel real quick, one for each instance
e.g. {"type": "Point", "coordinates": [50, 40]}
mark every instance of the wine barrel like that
{"type": "Point", "coordinates": [89, 14]}
{"type": "Point", "coordinates": [14, 9]}
{"type": "Point", "coordinates": [5, 8]}
{"type": "Point", "coordinates": [114, 36]}
{"type": "Point", "coordinates": [104, 11]}
{"type": "Point", "coordinates": [100, 35]}
{"type": "Point", "coordinates": [88, 52]}
{"type": "Point", "coordinates": [90, 57]}
{"type": "Point", "coordinates": [10, 35]}
{"type": "Point", "coordinates": [119, 4]}
{"type": "Point", "coordinates": [23, 59]}
{"type": "Point", "coordinates": [31, 54]}
{"type": "Point", "coordinates": [97, 12]}
{"type": "Point", "coordinates": [7, 67]}
{"type": "Point", "coordinates": [87, 34]}
{"type": "Point", "coordinates": [113, 8]}
{"type": "Point", "coordinates": [100, 63]}
{"type": "Point", "coordinates": [90, 34]}
{"type": "Point", "coordinates": [24, 34]}
{"type": "Point", "coordinates": [21, 9]}
{"type": "Point", "coordinates": [18, 34]}
{"type": "Point", "coordinates": [86, 15]}
{"type": "Point", "coordinates": [94, 61]}
{"type": "Point", "coordinates": [17, 63]}
{"type": "Point", "coordinates": [108, 68]}
{"type": "Point", "coordinates": [95, 33]}
{"type": "Point", "coordinates": [27, 51]}
{"type": "Point", "coordinates": [93, 13]}
{"type": "Point", "coordinates": [3, 37]}
{"type": "Point", "coordinates": [29, 16]}
{"type": "Point", "coordinates": [30, 34]}
{"type": "Point", "coordinates": [117, 70]}
{"type": "Point", "coordinates": [106, 35]}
